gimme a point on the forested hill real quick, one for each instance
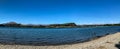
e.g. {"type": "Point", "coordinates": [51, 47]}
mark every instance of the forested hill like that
{"type": "Point", "coordinates": [65, 25]}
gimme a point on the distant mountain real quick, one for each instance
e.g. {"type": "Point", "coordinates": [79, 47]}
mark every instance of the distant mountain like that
{"type": "Point", "coordinates": [11, 24]}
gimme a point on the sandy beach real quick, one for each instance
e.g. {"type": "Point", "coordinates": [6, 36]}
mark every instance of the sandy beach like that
{"type": "Point", "coordinates": [106, 42]}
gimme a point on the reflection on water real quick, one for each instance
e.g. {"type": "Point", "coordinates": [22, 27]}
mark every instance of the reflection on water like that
{"type": "Point", "coordinates": [52, 36]}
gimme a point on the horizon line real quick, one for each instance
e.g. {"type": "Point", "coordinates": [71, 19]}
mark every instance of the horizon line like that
{"type": "Point", "coordinates": [62, 23]}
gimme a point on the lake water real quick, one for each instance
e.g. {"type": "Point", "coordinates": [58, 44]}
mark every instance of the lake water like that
{"type": "Point", "coordinates": [52, 35]}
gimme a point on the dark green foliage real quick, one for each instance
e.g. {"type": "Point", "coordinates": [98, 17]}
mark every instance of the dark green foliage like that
{"type": "Point", "coordinates": [62, 25]}
{"type": "Point", "coordinates": [107, 24]}
{"type": "Point", "coordinates": [14, 24]}
{"type": "Point", "coordinates": [1, 25]}
{"type": "Point", "coordinates": [65, 25]}
{"type": "Point", "coordinates": [116, 24]}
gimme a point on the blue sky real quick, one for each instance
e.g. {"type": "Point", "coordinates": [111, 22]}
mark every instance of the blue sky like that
{"type": "Point", "coordinates": [60, 11]}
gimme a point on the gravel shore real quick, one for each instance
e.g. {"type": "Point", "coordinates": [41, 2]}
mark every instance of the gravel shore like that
{"type": "Point", "coordinates": [106, 42]}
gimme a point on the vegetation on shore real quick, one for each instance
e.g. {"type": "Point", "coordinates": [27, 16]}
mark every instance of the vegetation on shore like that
{"type": "Point", "coordinates": [65, 25]}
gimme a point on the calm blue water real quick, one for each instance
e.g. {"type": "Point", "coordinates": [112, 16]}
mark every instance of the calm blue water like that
{"type": "Point", "coordinates": [52, 36]}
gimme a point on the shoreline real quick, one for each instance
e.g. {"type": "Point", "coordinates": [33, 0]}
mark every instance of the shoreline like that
{"type": "Point", "coordinates": [105, 42]}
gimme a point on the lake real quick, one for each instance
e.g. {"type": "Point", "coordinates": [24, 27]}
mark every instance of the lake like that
{"type": "Point", "coordinates": [51, 36]}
